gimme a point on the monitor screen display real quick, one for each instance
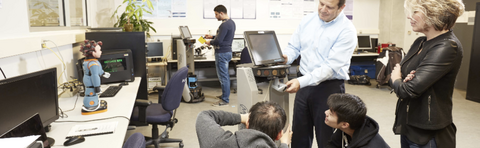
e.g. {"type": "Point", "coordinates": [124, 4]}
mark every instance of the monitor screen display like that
{"type": "Point", "coordinates": [238, 44]}
{"type": "Point", "coordinates": [364, 42]}
{"type": "Point", "coordinates": [23, 96]}
{"type": "Point", "coordinates": [185, 32]}
{"type": "Point", "coordinates": [114, 65]}
{"type": "Point", "coordinates": [30, 126]}
{"type": "Point", "coordinates": [263, 47]}
{"type": "Point", "coordinates": [155, 49]}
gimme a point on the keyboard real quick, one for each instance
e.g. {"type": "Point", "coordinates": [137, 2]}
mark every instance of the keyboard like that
{"type": "Point", "coordinates": [111, 91]}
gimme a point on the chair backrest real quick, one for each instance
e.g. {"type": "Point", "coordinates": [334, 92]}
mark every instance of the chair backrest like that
{"type": "Point", "coordinates": [245, 56]}
{"type": "Point", "coordinates": [172, 95]}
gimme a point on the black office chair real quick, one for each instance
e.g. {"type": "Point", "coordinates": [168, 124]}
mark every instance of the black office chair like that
{"type": "Point", "coordinates": [161, 113]}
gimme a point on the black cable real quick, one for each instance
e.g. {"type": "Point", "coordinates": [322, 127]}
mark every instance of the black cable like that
{"type": "Point", "coordinates": [95, 119]}
{"type": "Point", "coordinates": [3, 73]}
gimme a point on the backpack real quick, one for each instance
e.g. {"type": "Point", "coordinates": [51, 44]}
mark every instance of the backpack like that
{"type": "Point", "coordinates": [387, 60]}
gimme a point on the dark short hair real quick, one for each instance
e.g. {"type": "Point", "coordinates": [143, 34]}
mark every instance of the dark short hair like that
{"type": "Point", "coordinates": [349, 108]}
{"type": "Point", "coordinates": [220, 8]}
{"type": "Point", "coordinates": [341, 3]}
{"type": "Point", "coordinates": [267, 117]}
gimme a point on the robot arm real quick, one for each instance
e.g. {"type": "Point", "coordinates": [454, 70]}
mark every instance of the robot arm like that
{"type": "Point", "coordinates": [106, 75]}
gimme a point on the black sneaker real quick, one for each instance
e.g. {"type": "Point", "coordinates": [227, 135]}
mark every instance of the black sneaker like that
{"type": "Point", "coordinates": [219, 97]}
{"type": "Point", "coordinates": [220, 103]}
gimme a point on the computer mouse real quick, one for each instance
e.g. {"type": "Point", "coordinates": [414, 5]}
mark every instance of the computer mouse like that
{"type": "Point", "coordinates": [74, 140]}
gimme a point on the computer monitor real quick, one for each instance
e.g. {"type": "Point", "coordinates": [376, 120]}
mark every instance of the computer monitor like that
{"type": "Point", "coordinates": [263, 47]}
{"type": "Point", "coordinates": [155, 49]}
{"type": "Point", "coordinates": [185, 32]}
{"type": "Point", "coordinates": [119, 63]}
{"type": "Point", "coordinates": [29, 126]}
{"type": "Point", "coordinates": [23, 96]}
{"type": "Point", "coordinates": [238, 44]}
{"type": "Point", "coordinates": [364, 42]}
{"type": "Point", "coordinates": [134, 41]}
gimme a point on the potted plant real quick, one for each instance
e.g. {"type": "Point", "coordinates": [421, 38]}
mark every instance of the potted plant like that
{"type": "Point", "coordinates": [132, 18]}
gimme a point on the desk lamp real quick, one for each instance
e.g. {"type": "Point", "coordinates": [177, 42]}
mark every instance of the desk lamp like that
{"type": "Point", "coordinates": [92, 70]}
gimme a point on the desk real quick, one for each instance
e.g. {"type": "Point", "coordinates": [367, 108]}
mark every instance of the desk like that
{"type": "Point", "coordinates": [366, 59]}
{"type": "Point", "coordinates": [120, 105]}
{"type": "Point", "coordinates": [363, 58]}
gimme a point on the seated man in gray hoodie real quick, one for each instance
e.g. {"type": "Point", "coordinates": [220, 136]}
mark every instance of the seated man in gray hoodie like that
{"type": "Point", "coordinates": [264, 123]}
{"type": "Point", "coordinates": [354, 129]}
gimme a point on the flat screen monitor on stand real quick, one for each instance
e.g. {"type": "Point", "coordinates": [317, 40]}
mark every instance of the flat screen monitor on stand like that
{"type": "Point", "coordinates": [238, 45]}
{"type": "Point", "coordinates": [154, 51]}
{"type": "Point", "coordinates": [364, 43]}
{"type": "Point", "coordinates": [265, 53]}
{"type": "Point", "coordinates": [25, 95]}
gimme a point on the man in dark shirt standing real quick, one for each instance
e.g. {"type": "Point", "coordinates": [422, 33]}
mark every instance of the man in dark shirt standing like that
{"type": "Point", "coordinates": [223, 51]}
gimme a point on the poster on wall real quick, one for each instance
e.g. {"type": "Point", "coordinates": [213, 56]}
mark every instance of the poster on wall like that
{"type": "Point", "coordinates": [167, 9]}
{"type": "Point", "coordinates": [236, 9]}
{"type": "Point", "coordinates": [288, 9]}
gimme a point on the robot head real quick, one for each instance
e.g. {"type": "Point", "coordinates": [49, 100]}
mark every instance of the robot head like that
{"type": "Point", "coordinates": [91, 49]}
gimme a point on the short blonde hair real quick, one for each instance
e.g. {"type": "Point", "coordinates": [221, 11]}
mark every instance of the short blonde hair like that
{"type": "Point", "coordinates": [440, 14]}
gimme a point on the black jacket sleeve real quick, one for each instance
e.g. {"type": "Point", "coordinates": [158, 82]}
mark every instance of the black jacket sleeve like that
{"type": "Point", "coordinates": [438, 62]}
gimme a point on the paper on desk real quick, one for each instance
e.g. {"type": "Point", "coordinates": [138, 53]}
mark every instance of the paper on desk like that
{"type": "Point", "coordinates": [202, 40]}
{"type": "Point", "coordinates": [93, 129]}
{"type": "Point", "coordinates": [18, 142]}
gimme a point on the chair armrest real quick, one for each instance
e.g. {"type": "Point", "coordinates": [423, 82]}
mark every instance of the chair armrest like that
{"type": "Point", "coordinates": [142, 110]}
{"type": "Point", "coordinates": [160, 90]}
{"type": "Point", "coordinates": [142, 103]}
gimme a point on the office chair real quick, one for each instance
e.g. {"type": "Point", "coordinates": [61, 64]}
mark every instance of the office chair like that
{"type": "Point", "coordinates": [161, 113]}
{"type": "Point", "coordinates": [135, 141]}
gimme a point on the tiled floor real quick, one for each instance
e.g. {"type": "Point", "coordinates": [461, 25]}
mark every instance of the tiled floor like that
{"type": "Point", "coordinates": [380, 104]}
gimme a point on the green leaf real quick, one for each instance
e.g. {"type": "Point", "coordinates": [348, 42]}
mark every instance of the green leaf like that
{"type": "Point", "coordinates": [150, 5]}
{"type": "Point", "coordinates": [149, 12]}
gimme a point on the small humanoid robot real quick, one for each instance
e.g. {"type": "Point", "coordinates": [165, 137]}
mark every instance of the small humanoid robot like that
{"type": "Point", "coordinates": [92, 70]}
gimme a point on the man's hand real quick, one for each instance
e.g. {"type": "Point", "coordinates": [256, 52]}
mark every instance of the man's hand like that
{"type": "Point", "coordinates": [244, 118]}
{"type": "Point", "coordinates": [287, 136]}
{"type": "Point", "coordinates": [208, 36]}
{"type": "Point", "coordinates": [207, 42]}
{"type": "Point", "coordinates": [292, 86]}
{"type": "Point", "coordinates": [106, 75]}
{"type": "Point", "coordinates": [396, 73]}
{"type": "Point", "coordinates": [286, 59]}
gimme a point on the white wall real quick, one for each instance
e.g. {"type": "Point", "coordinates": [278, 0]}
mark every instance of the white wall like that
{"type": "Point", "coordinates": [21, 50]}
{"type": "Point", "coordinates": [366, 14]}
{"type": "Point", "coordinates": [365, 19]}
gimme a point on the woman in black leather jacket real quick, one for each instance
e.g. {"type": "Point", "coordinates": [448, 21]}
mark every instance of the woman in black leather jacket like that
{"type": "Point", "coordinates": [425, 78]}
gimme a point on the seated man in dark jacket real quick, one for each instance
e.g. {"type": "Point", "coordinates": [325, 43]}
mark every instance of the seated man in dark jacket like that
{"type": "Point", "coordinates": [348, 113]}
{"type": "Point", "coordinates": [264, 123]}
